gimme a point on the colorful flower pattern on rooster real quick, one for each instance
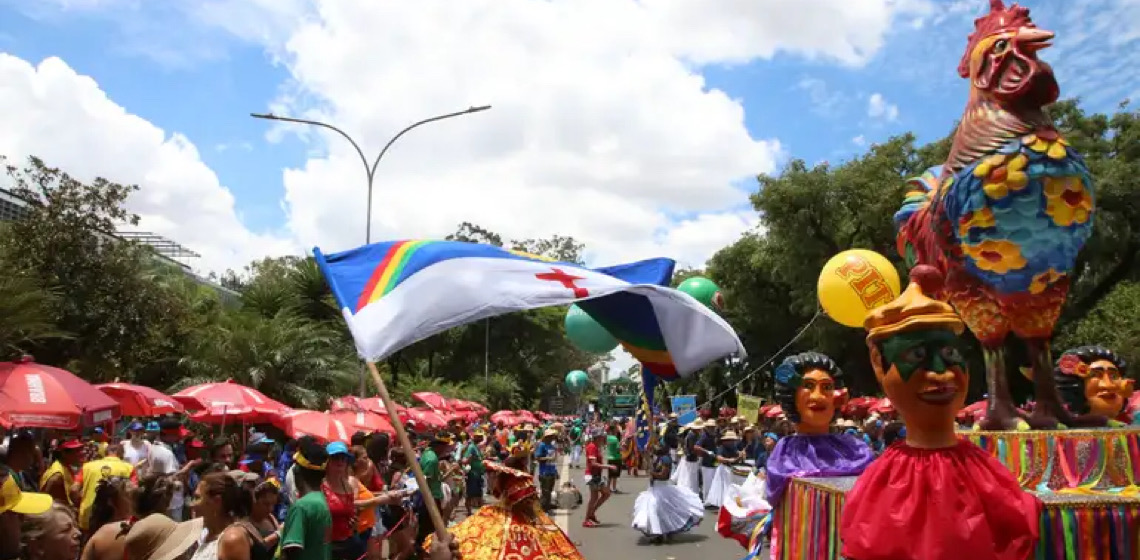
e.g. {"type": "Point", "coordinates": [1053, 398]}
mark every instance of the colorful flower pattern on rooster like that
{"type": "Point", "coordinates": [1024, 227]}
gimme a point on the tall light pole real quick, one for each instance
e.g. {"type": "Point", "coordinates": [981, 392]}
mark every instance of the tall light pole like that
{"type": "Point", "coordinates": [370, 170]}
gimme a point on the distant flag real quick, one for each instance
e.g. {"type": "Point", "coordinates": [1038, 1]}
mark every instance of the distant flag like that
{"type": "Point", "coordinates": [396, 293]}
{"type": "Point", "coordinates": [644, 419]}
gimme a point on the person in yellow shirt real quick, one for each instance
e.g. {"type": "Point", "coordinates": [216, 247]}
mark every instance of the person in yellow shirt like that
{"type": "Point", "coordinates": [59, 478]}
{"type": "Point", "coordinates": [95, 471]}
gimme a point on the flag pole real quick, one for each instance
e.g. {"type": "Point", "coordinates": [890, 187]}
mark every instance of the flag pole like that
{"type": "Point", "coordinates": [406, 444]}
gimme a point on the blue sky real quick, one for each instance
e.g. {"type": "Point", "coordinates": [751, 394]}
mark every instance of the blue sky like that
{"type": "Point", "coordinates": [202, 81]}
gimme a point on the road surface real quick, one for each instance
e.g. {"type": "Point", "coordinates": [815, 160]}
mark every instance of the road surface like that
{"type": "Point", "coordinates": [616, 540]}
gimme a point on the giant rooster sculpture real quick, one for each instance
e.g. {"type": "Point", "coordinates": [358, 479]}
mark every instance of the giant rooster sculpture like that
{"type": "Point", "coordinates": [1002, 220]}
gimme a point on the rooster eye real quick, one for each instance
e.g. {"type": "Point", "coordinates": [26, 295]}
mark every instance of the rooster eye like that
{"type": "Point", "coordinates": [1000, 46]}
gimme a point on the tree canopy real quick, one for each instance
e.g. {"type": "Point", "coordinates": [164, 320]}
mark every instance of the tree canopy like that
{"type": "Point", "coordinates": [77, 297]}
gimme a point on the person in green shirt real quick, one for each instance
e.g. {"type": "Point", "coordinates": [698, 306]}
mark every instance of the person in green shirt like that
{"type": "Point", "coordinates": [473, 459]}
{"type": "Point", "coordinates": [613, 457]}
{"type": "Point", "coordinates": [305, 534]}
{"type": "Point", "coordinates": [429, 463]}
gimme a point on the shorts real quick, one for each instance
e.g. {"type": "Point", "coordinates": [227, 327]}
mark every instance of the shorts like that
{"type": "Point", "coordinates": [616, 472]}
{"type": "Point", "coordinates": [596, 482]}
{"type": "Point", "coordinates": [474, 486]}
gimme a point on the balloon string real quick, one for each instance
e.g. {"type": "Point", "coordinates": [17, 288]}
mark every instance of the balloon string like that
{"type": "Point", "coordinates": [818, 314]}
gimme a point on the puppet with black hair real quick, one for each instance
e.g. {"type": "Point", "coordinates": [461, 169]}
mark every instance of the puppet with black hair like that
{"type": "Point", "coordinates": [809, 387]}
{"type": "Point", "coordinates": [1093, 380]}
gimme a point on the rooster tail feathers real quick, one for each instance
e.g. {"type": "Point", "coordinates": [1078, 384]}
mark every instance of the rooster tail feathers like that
{"type": "Point", "coordinates": [919, 192]}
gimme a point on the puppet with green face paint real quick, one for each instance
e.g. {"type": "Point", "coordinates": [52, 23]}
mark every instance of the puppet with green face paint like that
{"type": "Point", "coordinates": [933, 496]}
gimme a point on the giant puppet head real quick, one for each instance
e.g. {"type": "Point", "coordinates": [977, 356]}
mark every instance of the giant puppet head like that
{"type": "Point", "coordinates": [1093, 379]}
{"type": "Point", "coordinates": [809, 388]}
{"type": "Point", "coordinates": [914, 347]}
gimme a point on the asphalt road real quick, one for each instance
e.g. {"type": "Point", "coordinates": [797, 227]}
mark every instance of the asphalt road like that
{"type": "Point", "coordinates": [615, 539]}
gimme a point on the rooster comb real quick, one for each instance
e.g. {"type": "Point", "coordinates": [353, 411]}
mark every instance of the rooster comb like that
{"type": "Point", "coordinates": [1000, 18]}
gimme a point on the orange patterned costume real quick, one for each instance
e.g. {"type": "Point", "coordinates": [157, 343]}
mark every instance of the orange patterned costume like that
{"type": "Point", "coordinates": [515, 528]}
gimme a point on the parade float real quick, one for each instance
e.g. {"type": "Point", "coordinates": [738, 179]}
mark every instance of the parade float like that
{"type": "Point", "coordinates": [991, 237]}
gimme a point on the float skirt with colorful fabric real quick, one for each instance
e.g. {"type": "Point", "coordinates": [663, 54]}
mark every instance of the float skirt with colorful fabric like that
{"type": "Point", "coordinates": [1081, 461]}
{"type": "Point", "coordinates": [497, 533]}
{"type": "Point", "coordinates": [1072, 526]}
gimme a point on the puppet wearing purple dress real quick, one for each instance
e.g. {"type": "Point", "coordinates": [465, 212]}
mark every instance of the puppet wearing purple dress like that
{"type": "Point", "coordinates": [809, 387]}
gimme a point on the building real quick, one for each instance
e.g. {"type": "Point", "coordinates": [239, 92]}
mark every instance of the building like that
{"type": "Point", "coordinates": [13, 207]}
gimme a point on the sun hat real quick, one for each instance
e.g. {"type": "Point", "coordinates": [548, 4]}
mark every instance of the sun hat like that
{"type": "Point", "coordinates": [729, 435]}
{"type": "Point", "coordinates": [25, 503]}
{"type": "Point", "coordinates": [242, 477]}
{"type": "Point", "coordinates": [71, 444]}
{"type": "Point", "coordinates": [550, 432]}
{"type": "Point", "coordinates": [443, 438]}
{"type": "Point", "coordinates": [158, 537]}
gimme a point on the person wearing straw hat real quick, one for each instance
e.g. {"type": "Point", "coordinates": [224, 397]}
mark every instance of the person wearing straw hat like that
{"type": "Point", "coordinates": [688, 471]}
{"type": "Point", "coordinates": [547, 469]}
{"type": "Point", "coordinates": [158, 537]}
{"type": "Point", "coordinates": [706, 447]}
{"type": "Point", "coordinates": [727, 456]}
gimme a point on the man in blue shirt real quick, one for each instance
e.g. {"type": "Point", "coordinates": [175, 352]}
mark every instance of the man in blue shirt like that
{"type": "Point", "coordinates": [547, 469]}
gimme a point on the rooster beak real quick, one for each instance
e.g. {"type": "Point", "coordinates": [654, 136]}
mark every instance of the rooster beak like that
{"type": "Point", "coordinates": [1032, 39]}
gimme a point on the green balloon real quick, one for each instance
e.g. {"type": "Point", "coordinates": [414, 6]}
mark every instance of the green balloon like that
{"type": "Point", "coordinates": [586, 333]}
{"type": "Point", "coordinates": [703, 290]}
{"type": "Point", "coordinates": [577, 380]}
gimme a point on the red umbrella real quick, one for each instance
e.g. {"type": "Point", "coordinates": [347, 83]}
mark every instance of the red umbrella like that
{"type": "Point", "coordinates": [372, 404]}
{"type": "Point", "coordinates": [321, 425]}
{"type": "Point", "coordinates": [37, 396]}
{"type": "Point", "coordinates": [424, 417]}
{"type": "Point", "coordinates": [972, 410]}
{"type": "Point", "coordinates": [505, 417]}
{"type": "Point", "coordinates": [364, 421]}
{"type": "Point", "coordinates": [526, 416]}
{"type": "Point", "coordinates": [139, 400]}
{"type": "Point", "coordinates": [229, 401]}
{"type": "Point", "coordinates": [775, 411]}
{"type": "Point", "coordinates": [434, 400]}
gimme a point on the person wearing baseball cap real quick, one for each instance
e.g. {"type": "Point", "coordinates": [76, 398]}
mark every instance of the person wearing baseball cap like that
{"type": "Point", "coordinates": [15, 503]}
{"type": "Point", "coordinates": [136, 447]}
{"type": "Point", "coordinates": [58, 479]}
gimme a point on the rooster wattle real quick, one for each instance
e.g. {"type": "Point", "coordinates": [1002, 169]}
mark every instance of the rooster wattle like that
{"type": "Point", "coordinates": [1005, 216]}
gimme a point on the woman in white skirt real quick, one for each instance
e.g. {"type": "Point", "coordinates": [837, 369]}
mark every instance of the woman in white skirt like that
{"type": "Point", "coordinates": [688, 471]}
{"type": "Point", "coordinates": [730, 470]}
{"type": "Point", "coordinates": [665, 509]}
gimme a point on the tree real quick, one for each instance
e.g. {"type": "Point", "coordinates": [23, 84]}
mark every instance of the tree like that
{"type": "Point", "coordinates": [65, 243]}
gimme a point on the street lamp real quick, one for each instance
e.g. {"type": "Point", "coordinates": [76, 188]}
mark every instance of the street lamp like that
{"type": "Point", "coordinates": [370, 170]}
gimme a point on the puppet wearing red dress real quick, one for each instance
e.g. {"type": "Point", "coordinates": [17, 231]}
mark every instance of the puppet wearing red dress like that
{"type": "Point", "coordinates": [933, 496]}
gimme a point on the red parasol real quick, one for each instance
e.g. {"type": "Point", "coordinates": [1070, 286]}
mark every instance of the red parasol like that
{"type": "Point", "coordinates": [424, 417]}
{"type": "Point", "coordinates": [37, 396]}
{"type": "Point", "coordinates": [973, 410]}
{"type": "Point", "coordinates": [139, 400]}
{"type": "Point", "coordinates": [526, 416]}
{"type": "Point", "coordinates": [504, 417]}
{"type": "Point", "coordinates": [364, 421]}
{"type": "Point", "coordinates": [775, 412]}
{"type": "Point", "coordinates": [228, 401]}
{"type": "Point", "coordinates": [884, 406]}
{"type": "Point", "coordinates": [372, 404]}
{"type": "Point", "coordinates": [435, 401]}
{"type": "Point", "coordinates": [298, 423]}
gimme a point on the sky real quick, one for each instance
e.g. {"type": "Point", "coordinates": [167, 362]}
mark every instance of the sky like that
{"type": "Point", "coordinates": [635, 126]}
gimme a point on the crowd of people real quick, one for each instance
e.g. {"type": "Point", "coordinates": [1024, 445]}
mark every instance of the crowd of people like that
{"type": "Point", "coordinates": [162, 492]}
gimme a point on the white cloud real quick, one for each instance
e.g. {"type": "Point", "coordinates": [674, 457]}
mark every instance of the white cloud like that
{"type": "Point", "coordinates": [859, 141]}
{"type": "Point", "coordinates": [602, 127]}
{"type": "Point", "coordinates": [63, 117]}
{"type": "Point", "coordinates": [879, 108]}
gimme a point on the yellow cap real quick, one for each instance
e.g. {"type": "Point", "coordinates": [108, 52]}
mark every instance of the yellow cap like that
{"type": "Point", "coordinates": [912, 310]}
{"type": "Point", "coordinates": [25, 503]}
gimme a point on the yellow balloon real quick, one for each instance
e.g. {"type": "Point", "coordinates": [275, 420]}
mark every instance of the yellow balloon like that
{"type": "Point", "coordinates": [853, 283]}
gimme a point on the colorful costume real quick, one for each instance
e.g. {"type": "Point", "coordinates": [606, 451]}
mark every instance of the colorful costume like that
{"type": "Point", "coordinates": [664, 509]}
{"type": "Point", "coordinates": [515, 528]}
{"type": "Point", "coordinates": [932, 497]}
{"type": "Point", "coordinates": [799, 456]}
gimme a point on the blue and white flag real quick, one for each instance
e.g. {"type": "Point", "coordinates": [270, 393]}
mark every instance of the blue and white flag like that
{"type": "Point", "coordinates": [396, 293]}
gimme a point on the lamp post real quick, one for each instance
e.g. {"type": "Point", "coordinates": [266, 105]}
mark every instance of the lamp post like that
{"type": "Point", "coordinates": [370, 170]}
